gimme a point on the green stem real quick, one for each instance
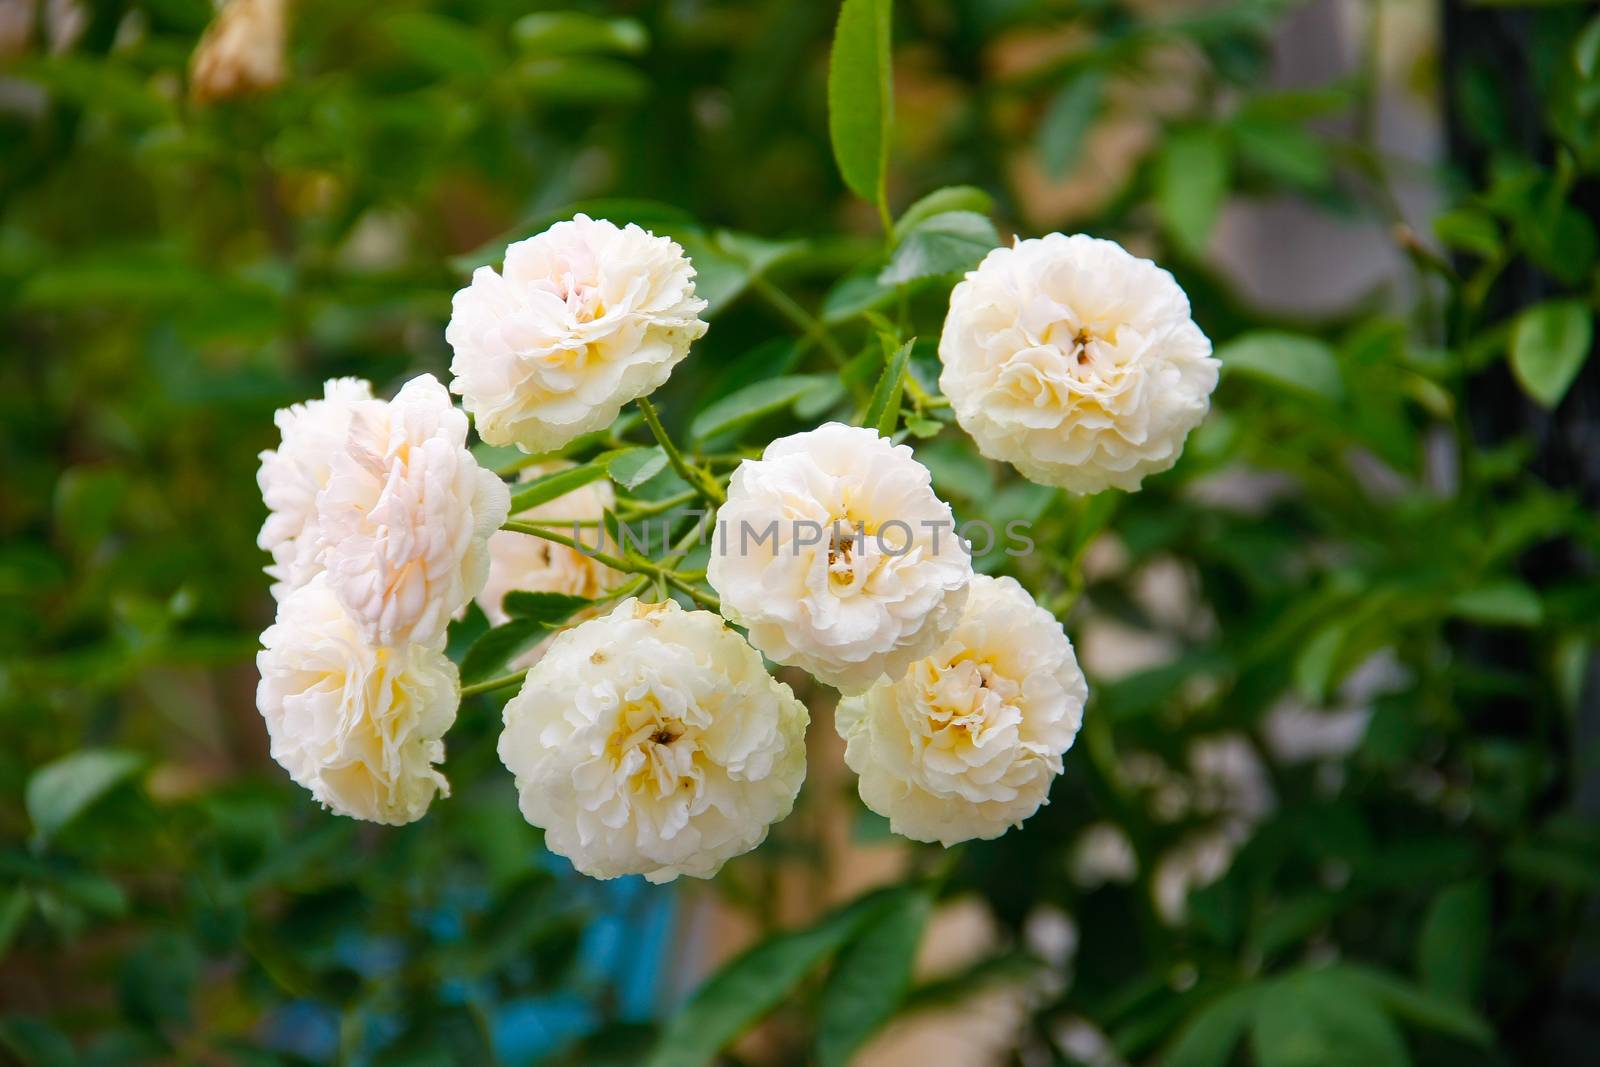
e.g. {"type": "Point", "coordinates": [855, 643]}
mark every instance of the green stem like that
{"type": "Point", "coordinates": [708, 488]}
{"type": "Point", "coordinates": [643, 568]}
{"type": "Point", "coordinates": [803, 320]}
{"type": "Point", "coordinates": [489, 685]}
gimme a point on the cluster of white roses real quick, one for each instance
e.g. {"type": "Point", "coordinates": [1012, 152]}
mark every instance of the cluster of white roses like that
{"type": "Point", "coordinates": [651, 739]}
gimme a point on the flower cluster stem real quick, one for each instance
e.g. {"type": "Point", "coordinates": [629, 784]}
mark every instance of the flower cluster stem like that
{"type": "Point", "coordinates": [640, 567]}
{"type": "Point", "coordinates": [707, 486]}
{"type": "Point", "coordinates": [489, 685]}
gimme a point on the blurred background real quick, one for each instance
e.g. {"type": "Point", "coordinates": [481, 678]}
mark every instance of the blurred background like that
{"type": "Point", "coordinates": [1335, 799]}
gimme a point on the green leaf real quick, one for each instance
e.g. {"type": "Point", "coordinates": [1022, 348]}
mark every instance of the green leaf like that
{"type": "Point", "coordinates": [1469, 229]}
{"type": "Point", "coordinates": [1209, 1037]}
{"type": "Point", "coordinates": [1411, 1003]}
{"type": "Point", "coordinates": [1501, 603]}
{"type": "Point", "coordinates": [490, 654]}
{"type": "Point", "coordinates": [883, 410]}
{"type": "Point", "coordinates": [36, 1044]}
{"type": "Point", "coordinates": [1315, 662]}
{"type": "Point", "coordinates": [860, 97]}
{"type": "Point", "coordinates": [943, 244]}
{"type": "Point", "coordinates": [753, 984]}
{"type": "Point", "coordinates": [14, 909]}
{"type": "Point", "coordinates": [1283, 150]}
{"type": "Point", "coordinates": [757, 254]}
{"type": "Point", "coordinates": [869, 982]}
{"type": "Point", "coordinates": [1586, 51]}
{"type": "Point", "coordinates": [632, 467]}
{"type": "Point", "coordinates": [1191, 181]}
{"type": "Point", "coordinates": [1290, 361]}
{"type": "Point", "coordinates": [441, 44]}
{"type": "Point", "coordinates": [1311, 1020]}
{"type": "Point", "coordinates": [1067, 121]}
{"type": "Point", "coordinates": [554, 33]}
{"type": "Point", "coordinates": [581, 81]}
{"type": "Point", "coordinates": [555, 485]}
{"type": "Point", "coordinates": [940, 201]}
{"type": "Point", "coordinates": [1454, 943]}
{"type": "Point", "coordinates": [1549, 344]}
{"type": "Point", "coordinates": [855, 294]}
{"type": "Point", "coordinates": [62, 790]}
{"type": "Point", "coordinates": [755, 401]}
{"type": "Point", "coordinates": [550, 609]}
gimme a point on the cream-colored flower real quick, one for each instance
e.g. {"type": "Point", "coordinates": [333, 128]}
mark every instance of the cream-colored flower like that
{"type": "Point", "coordinates": [359, 725]}
{"type": "Point", "coordinates": [967, 743]}
{"type": "Point", "coordinates": [292, 475]}
{"type": "Point", "coordinates": [835, 554]}
{"type": "Point", "coordinates": [241, 52]}
{"type": "Point", "coordinates": [1076, 362]}
{"type": "Point", "coordinates": [652, 741]}
{"type": "Point", "coordinates": [520, 562]}
{"type": "Point", "coordinates": [404, 521]}
{"type": "Point", "coordinates": [586, 317]}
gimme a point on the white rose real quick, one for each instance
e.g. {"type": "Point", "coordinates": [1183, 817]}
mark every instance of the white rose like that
{"type": "Point", "coordinates": [1076, 362]}
{"type": "Point", "coordinates": [520, 562]}
{"type": "Point", "coordinates": [586, 317]}
{"type": "Point", "coordinates": [292, 475]}
{"type": "Point", "coordinates": [967, 743]}
{"type": "Point", "coordinates": [359, 725]}
{"type": "Point", "coordinates": [652, 741]}
{"type": "Point", "coordinates": [404, 521]}
{"type": "Point", "coordinates": [862, 571]}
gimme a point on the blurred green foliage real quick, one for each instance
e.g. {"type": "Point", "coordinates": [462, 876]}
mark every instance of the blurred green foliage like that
{"type": "Point", "coordinates": [172, 271]}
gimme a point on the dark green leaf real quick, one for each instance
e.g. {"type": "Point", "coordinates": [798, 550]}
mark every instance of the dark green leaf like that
{"type": "Point", "coordinates": [941, 201]}
{"type": "Point", "coordinates": [1549, 344]}
{"type": "Point", "coordinates": [551, 609]}
{"type": "Point", "coordinates": [1068, 120]}
{"type": "Point", "coordinates": [60, 791]}
{"type": "Point", "coordinates": [1470, 230]}
{"type": "Point", "coordinates": [753, 984]}
{"type": "Point", "coordinates": [554, 486]}
{"type": "Point", "coordinates": [1283, 150]}
{"type": "Point", "coordinates": [943, 244]}
{"type": "Point", "coordinates": [883, 410]}
{"type": "Point", "coordinates": [36, 1044]}
{"type": "Point", "coordinates": [860, 97]}
{"type": "Point", "coordinates": [442, 44]}
{"type": "Point", "coordinates": [1454, 943]}
{"type": "Point", "coordinates": [870, 980]}
{"type": "Point", "coordinates": [855, 294]}
{"type": "Point", "coordinates": [490, 654]}
{"type": "Point", "coordinates": [15, 905]}
{"type": "Point", "coordinates": [581, 81]}
{"type": "Point", "coordinates": [632, 467]}
{"type": "Point", "coordinates": [1290, 361]}
{"type": "Point", "coordinates": [1501, 603]}
{"type": "Point", "coordinates": [1415, 1005]}
{"type": "Point", "coordinates": [1311, 1020]}
{"type": "Point", "coordinates": [1191, 181]}
{"type": "Point", "coordinates": [551, 33]}
{"type": "Point", "coordinates": [744, 406]}
{"type": "Point", "coordinates": [1209, 1037]}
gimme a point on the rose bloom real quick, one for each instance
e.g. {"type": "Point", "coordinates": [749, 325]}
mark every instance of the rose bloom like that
{"type": "Point", "coordinates": [862, 572]}
{"type": "Point", "coordinates": [357, 724]}
{"type": "Point", "coordinates": [1076, 362]}
{"type": "Point", "coordinates": [405, 519]}
{"type": "Point", "coordinates": [292, 475]}
{"type": "Point", "coordinates": [967, 743]}
{"type": "Point", "coordinates": [652, 741]}
{"type": "Point", "coordinates": [586, 317]}
{"type": "Point", "coordinates": [520, 562]}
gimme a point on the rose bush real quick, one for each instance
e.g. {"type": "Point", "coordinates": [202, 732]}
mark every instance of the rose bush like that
{"type": "Point", "coordinates": [1313, 791]}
